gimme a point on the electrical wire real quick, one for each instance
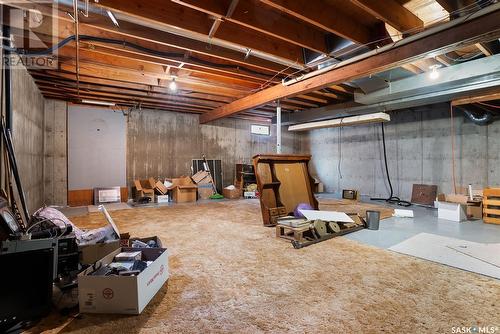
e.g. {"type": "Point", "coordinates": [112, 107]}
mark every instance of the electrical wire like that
{"type": "Point", "coordinates": [163, 54]}
{"type": "Point", "coordinates": [391, 199]}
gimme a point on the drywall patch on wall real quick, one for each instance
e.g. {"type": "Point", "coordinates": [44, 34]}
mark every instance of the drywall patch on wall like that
{"type": "Point", "coordinates": [96, 147]}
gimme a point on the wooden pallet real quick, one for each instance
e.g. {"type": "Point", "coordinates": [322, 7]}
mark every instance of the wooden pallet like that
{"type": "Point", "coordinates": [491, 205]}
{"type": "Point", "coordinates": [305, 236]}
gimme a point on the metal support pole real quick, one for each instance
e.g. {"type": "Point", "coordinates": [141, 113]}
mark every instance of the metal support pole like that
{"type": "Point", "coordinates": [278, 128]}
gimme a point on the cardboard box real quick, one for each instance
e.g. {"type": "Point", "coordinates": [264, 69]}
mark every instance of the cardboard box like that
{"type": "Point", "coordinates": [451, 211]}
{"type": "Point", "coordinates": [142, 188]}
{"type": "Point", "coordinates": [89, 254]}
{"type": "Point", "coordinates": [161, 198]}
{"type": "Point", "coordinates": [183, 190]}
{"type": "Point", "coordinates": [202, 177]}
{"type": "Point", "coordinates": [232, 193]}
{"type": "Point", "coordinates": [205, 191]}
{"type": "Point", "coordinates": [473, 209]}
{"type": "Point", "coordinates": [123, 294]}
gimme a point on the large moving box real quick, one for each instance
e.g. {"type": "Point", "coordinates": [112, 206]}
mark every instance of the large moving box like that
{"type": "Point", "coordinates": [123, 294]}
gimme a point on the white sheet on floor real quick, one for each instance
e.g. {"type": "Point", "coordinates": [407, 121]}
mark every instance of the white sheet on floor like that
{"type": "Point", "coordinates": [471, 256]}
{"type": "Point", "coordinates": [330, 216]}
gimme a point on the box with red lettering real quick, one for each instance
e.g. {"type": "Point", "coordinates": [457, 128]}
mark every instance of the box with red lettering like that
{"type": "Point", "coordinates": [123, 294]}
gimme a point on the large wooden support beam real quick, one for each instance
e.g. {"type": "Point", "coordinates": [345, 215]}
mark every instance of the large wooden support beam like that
{"type": "Point", "coordinates": [392, 13]}
{"type": "Point", "coordinates": [467, 32]}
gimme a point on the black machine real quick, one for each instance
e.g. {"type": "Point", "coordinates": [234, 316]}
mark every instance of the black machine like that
{"type": "Point", "coordinates": [28, 270]}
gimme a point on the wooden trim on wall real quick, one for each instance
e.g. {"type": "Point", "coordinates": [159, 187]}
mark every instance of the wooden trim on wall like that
{"type": "Point", "coordinates": [83, 197]}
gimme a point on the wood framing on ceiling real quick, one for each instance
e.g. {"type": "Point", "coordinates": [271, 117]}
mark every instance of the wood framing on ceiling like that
{"type": "Point", "coordinates": [438, 43]}
{"type": "Point", "coordinates": [218, 51]}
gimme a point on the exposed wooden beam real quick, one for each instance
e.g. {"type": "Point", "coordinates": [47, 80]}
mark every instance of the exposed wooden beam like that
{"type": "Point", "coordinates": [172, 15]}
{"type": "Point", "coordinates": [324, 16]}
{"type": "Point", "coordinates": [154, 67]}
{"type": "Point", "coordinates": [250, 14]}
{"type": "Point", "coordinates": [476, 99]}
{"type": "Point", "coordinates": [391, 12]}
{"type": "Point", "coordinates": [467, 32]}
{"type": "Point", "coordinates": [146, 37]}
{"type": "Point", "coordinates": [487, 52]}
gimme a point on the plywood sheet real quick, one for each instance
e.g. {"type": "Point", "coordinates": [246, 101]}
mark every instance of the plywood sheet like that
{"type": "Point", "coordinates": [293, 189]}
{"type": "Point", "coordinates": [353, 206]}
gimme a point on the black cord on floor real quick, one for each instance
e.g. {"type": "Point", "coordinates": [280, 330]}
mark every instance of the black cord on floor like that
{"type": "Point", "coordinates": [391, 199]}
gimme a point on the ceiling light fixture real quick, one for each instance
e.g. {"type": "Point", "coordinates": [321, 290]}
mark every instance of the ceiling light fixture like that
{"type": "Point", "coordinates": [101, 103]}
{"type": "Point", "coordinates": [434, 73]}
{"type": "Point", "coordinates": [173, 85]}
{"type": "Point", "coordinates": [345, 121]}
{"type": "Point", "coordinates": [112, 17]}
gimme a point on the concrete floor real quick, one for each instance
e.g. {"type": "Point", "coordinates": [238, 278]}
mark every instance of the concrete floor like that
{"type": "Point", "coordinates": [394, 230]}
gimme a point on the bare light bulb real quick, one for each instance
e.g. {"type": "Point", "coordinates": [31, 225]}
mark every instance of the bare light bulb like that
{"type": "Point", "coordinates": [434, 73]}
{"type": "Point", "coordinates": [172, 86]}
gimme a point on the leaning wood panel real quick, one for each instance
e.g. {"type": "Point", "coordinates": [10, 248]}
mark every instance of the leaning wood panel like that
{"type": "Point", "coordinates": [283, 182]}
{"type": "Point", "coordinates": [491, 205]}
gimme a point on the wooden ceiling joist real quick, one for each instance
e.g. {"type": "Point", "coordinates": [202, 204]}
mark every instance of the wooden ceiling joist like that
{"type": "Point", "coordinates": [250, 14]}
{"type": "Point", "coordinates": [393, 13]}
{"type": "Point", "coordinates": [465, 32]}
{"type": "Point", "coordinates": [172, 15]}
{"type": "Point", "coordinates": [328, 18]}
{"type": "Point", "coordinates": [145, 37]}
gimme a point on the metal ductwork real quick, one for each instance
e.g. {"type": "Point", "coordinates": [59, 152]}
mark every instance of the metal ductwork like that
{"type": "Point", "coordinates": [477, 115]}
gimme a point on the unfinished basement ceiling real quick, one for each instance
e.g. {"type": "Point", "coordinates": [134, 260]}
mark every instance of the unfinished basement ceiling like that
{"type": "Point", "coordinates": [219, 51]}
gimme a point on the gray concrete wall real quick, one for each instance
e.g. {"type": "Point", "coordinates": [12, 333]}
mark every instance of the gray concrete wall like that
{"type": "Point", "coordinates": [418, 150]}
{"type": "Point", "coordinates": [55, 153]}
{"type": "Point", "coordinates": [162, 144]}
{"type": "Point", "coordinates": [28, 135]}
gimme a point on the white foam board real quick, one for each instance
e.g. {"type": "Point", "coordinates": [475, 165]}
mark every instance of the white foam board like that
{"type": "Point", "coordinates": [331, 216]}
{"type": "Point", "coordinates": [440, 249]}
{"type": "Point", "coordinates": [403, 213]}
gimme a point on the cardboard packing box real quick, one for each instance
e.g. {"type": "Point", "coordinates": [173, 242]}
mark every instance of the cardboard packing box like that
{"type": "Point", "coordinates": [123, 294]}
{"type": "Point", "coordinates": [232, 193]}
{"type": "Point", "coordinates": [473, 209]}
{"type": "Point", "coordinates": [183, 190]}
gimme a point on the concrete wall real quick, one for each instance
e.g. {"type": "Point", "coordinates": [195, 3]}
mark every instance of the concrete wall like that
{"type": "Point", "coordinates": [28, 135]}
{"type": "Point", "coordinates": [418, 151]}
{"type": "Point", "coordinates": [162, 144]}
{"type": "Point", "coordinates": [55, 153]}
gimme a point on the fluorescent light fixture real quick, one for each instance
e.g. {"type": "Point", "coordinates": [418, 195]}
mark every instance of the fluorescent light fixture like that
{"type": "Point", "coordinates": [173, 85]}
{"type": "Point", "coordinates": [101, 103]}
{"type": "Point", "coordinates": [345, 121]}
{"type": "Point", "coordinates": [112, 17]}
{"type": "Point", "coordinates": [434, 73]}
